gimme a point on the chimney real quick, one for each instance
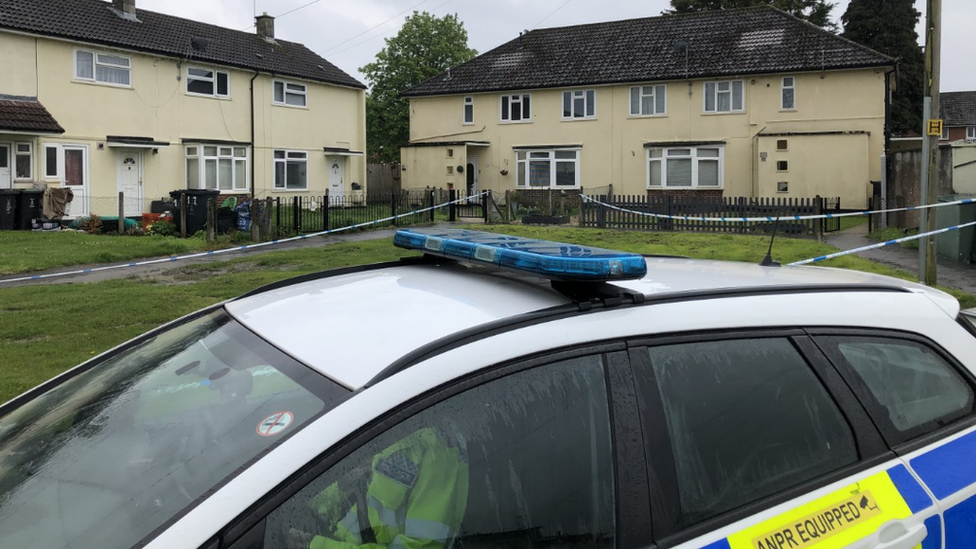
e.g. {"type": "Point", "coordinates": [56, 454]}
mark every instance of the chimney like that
{"type": "Point", "coordinates": [125, 7]}
{"type": "Point", "coordinates": [264, 24]}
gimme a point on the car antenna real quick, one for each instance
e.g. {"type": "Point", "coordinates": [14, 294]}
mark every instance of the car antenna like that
{"type": "Point", "coordinates": [768, 260]}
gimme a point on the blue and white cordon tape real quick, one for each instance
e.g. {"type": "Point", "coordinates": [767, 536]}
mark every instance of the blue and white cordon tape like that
{"type": "Point", "coordinates": [235, 249]}
{"type": "Point", "coordinates": [883, 244]}
{"type": "Point", "coordinates": [778, 218]}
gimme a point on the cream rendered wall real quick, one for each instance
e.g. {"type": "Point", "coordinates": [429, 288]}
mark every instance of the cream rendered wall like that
{"type": "Point", "coordinates": [964, 168]}
{"type": "Point", "coordinates": [157, 106]}
{"type": "Point", "coordinates": [613, 142]}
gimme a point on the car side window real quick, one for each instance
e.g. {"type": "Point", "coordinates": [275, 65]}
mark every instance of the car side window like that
{"type": "Point", "coordinates": [907, 384]}
{"type": "Point", "coordinates": [747, 418]}
{"type": "Point", "coordinates": [524, 460]}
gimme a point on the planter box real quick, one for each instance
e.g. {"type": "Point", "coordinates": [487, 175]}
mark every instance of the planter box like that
{"type": "Point", "coordinates": [545, 220]}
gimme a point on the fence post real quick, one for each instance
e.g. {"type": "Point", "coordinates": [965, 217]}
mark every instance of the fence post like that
{"type": "Point", "coordinates": [431, 203]}
{"type": "Point", "coordinates": [601, 213]}
{"type": "Point", "coordinates": [294, 215]}
{"type": "Point", "coordinates": [121, 213]}
{"type": "Point", "coordinates": [393, 208]}
{"type": "Point", "coordinates": [452, 208]}
{"type": "Point", "coordinates": [255, 221]}
{"type": "Point", "coordinates": [210, 220]}
{"type": "Point", "coordinates": [182, 215]}
{"type": "Point", "coordinates": [818, 209]}
{"type": "Point", "coordinates": [484, 205]}
{"type": "Point", "coordinates": [278, 213]}
{"type": "Point", "coordinates": [267, 216]}
{"type": "Point", "coordinates": [325, 211]}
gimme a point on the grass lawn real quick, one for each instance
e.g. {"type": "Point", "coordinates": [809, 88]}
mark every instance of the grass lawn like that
{"type": "Point", "coordinates": [47, 329]}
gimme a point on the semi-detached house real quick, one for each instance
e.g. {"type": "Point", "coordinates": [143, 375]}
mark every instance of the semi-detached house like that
{"type": "Point", "coordinates": [102, 97]}
{"type": "Point", "coordinates": [750, 103]}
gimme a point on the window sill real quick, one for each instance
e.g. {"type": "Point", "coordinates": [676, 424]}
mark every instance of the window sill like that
{"type": "Point", "coordinates": [641, 116]}
{"type": "Point", "coordinates": [205, 96]}
{"type": "Point", "coordinates": [722, 113]}
{"type": "Point", "coordinates": [584, 119]}
{"type": "Point", "coordinates": [787, 110]}
{"type": "Point", "coordinates": [103, 84]}
{"type": "Point", "coordinates": [507, 122]}
{"type": "Point", "coordinates": [467, 123]}
{"type": "Point", "coordinates": [287, 106]}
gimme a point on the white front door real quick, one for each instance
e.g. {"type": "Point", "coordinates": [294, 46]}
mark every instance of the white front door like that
{"type": "Point", "coordinates": [76, 178]}
{"type": "Point", "coordinates": [6, 180]}
{"type": "Point", "coordinates": [337, 175]}
{"type": "Point", "coordinates": [130, 180]}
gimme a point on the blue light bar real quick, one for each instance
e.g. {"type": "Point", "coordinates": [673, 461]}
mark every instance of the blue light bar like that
{"type": "Point", "coordinates": [553, 260]}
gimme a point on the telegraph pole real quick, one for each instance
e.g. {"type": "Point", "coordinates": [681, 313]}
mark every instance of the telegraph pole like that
{"type": "Point", "coordinates": [930, 147]}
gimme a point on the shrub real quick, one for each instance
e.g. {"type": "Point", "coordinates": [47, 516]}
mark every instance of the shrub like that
{"type": "Point", "coordinates": [162, 227]}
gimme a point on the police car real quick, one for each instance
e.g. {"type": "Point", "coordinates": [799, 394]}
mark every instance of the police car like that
{"type": "Point", "coordinates": [496, 391]}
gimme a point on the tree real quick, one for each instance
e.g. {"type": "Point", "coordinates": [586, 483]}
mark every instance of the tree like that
{"type": "Point", "coordinates": [425, 47]}
{"type": "Point", "coordinates": [888, 26]}
{"type": "Point", "coordinates": [814, 11]}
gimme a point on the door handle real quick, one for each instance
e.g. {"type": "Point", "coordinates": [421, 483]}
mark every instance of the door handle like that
{"type": "Point", "coordinates": [896, 536]}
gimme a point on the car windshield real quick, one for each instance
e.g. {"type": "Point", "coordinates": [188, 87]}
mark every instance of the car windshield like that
{"type": "Point", "coordinates": [104, 459]}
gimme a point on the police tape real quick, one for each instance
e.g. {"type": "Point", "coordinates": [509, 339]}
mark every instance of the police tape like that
{"type": "Point", "coordinates": [778, 218]}
{"type": "Point", "coordinates": [237, 248]}
{"type": "Point", "coordinates": [884, 244]}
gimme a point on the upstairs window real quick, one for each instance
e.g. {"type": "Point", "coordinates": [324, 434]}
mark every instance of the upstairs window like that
{"type": "Point", "coordinates": [468, 115]}
{"type": "Point", "coordinates": [788, 99]}
{"type": "Point", "coordinates": [689, 167]}
{"type": "Point", "coordinates": [216, 167]}
{"type": "Point", "coordinates": [579, 104]}
{"type": "Point", "coordinates": [517, 108]}
{"type": "Point", "coordinates": [725, 96]}
{"type": "Point", "coordinates": [289, 93]}
{"type": "Point", "coordinates": [971, 133]}
{"type": "Point", "coordinates": [207, 82]}
{"type": "Point", "coordinates": [103, 68]}
{"type": "Point", "coordinates": [648, 100]}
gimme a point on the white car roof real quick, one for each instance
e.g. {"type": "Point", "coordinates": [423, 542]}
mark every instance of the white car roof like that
{"type": "Point", "coordinates": [351, 326]}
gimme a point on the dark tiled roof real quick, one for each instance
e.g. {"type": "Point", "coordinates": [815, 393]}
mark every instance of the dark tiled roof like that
{"type": "Point", "coordinates": [26, 115]}
{"type": "Point", "coordinates": [722, 43]}
{"type": "Point", "coordinates": [958, 108]}
{"type": "Point", "coordinates": [94, 21]}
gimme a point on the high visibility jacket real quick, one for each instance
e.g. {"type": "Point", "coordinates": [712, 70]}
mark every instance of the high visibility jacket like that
{"type": "Point", "coordinates": [415, 499]}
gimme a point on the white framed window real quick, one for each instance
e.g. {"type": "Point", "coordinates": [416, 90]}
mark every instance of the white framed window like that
{"type": "Point", "coordinates": [971, 133]}
{"type": "Point", "coordinates": [579, 104]}
{"type": "Point", "coordinates": [517, 108]}
{"type": "Point", "coordinates": [291, 170]}
{"type": "Point", "coordinates": [548, 169]}
{"type": "Point", "coordinates": [52, 162]}
{"type": "Point", "coordinates": [468, 115]}
{"type": "Point", "coordinates": [23, 161]}
{"type": "Point", "coordinates": [648, 100]}
{"type": "Point", "coordinates": [216, 167]}
{"type": "Point", "coordinates": [292, 94]}
{"type": "Point", "coordinates": [686, 167]}
{"type": "Point", "coordinates": [207, 82]}
{"type": "Point", "coordinates": [725, 96]}
{"type": "Point", "coordinates": [103, 68]}
{"type": "Point", "coordinates": [788, 94]}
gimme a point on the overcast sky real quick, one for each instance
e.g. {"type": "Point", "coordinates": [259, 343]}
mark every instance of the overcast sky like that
{"type": "Point", "coordinates": [349, 33]}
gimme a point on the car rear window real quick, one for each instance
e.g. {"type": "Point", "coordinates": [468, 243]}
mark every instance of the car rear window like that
{"type": "Point", "coordinates": [106, 458]}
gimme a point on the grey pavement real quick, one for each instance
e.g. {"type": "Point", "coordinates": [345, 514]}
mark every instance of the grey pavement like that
{"type": "Point", "coordinates": [148, 271]}
{"type": "Point", "coordinates": [958, 276]}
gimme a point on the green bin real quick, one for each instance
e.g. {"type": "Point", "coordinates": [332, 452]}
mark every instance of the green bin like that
{"type": "Point", "coordinates": [958, 245]}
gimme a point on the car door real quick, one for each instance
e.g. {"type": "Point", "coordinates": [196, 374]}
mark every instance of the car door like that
{"type": "Point", "coordinates": [755, 442]}
{"type": "Point", "coordinates": [522, 455]}
{"type": "Point", "coordinates": [922, 399]}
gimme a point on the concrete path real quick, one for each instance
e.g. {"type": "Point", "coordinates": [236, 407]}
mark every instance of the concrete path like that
{"type": "Point", "coordinates": [147, 271]}
{"type": "Point", "coordinates": [959, 276]}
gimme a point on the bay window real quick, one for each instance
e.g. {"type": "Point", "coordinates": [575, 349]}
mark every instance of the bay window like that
{"type": "Point", "coordinates": [517, 108]}
{"type": "Point", "coordinates": [725, 96]}
{"type": "Point", "coordinates": [548, 169]}
{"type": "Point", "coordinates": [216, 167]}
{"type": "Point", "coordinates": [291, 170]}
{"type": "Point", "coordinates": [648, 100]}
{"type": "Point", "coordinates": [579, 104]}
{"type": "Point", "coordinates": [687, 167]}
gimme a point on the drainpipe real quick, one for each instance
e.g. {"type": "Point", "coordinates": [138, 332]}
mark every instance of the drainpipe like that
{"type": "Point", "coordinates": [253, 145]}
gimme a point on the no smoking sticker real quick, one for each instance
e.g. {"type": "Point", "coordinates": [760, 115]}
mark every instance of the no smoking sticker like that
{"type": "Point", "coordinates": [275, 423]}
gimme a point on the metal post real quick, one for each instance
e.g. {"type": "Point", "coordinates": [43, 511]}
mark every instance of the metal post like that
{"type": "Point", "coordinates": [210, 220]}
{"type": "Point", "coordinates": [393, 207]}
{"type": "Point", "coordinates": [121, 213]}
{"type": "Point", "coordinates": [484, 205]}
{"type": "Point", "coordinates": [452, 209]}
{"type": "Point", "coordinates": [818, 226]}
{"type": "Point", "coordinates": [930, 147]}
{"type": "Point", "coordinates": [431, 203]}
{"type": "Point", "coordinates": [325, 211]}
{"type": "Point", "coordinates": [278, 212]}
{"type": "Point", "coordinates": [882, 222]}
{"type": "Point", "coordinates": [295, 223]}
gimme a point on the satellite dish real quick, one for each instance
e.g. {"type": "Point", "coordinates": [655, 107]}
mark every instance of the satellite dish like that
{"type": "Point", "coordinates": [681, 46]}
{"type": "Point", "coordinates": [199, 43]}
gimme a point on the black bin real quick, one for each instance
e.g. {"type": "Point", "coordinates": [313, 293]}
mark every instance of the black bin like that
{"type": "Point", "coordinates": [28, 208]}
{"type": "Point", "coordinates": [196, 208]}
{"type": "Point", "coordinates": [8, 209]}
